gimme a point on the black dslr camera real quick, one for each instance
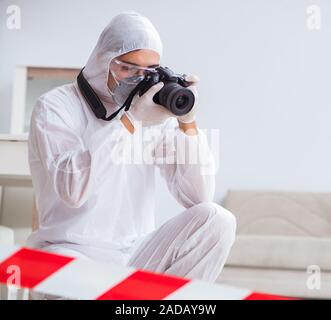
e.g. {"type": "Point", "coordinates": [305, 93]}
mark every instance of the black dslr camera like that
{"type": "Point", "coordinates": [174, 95]}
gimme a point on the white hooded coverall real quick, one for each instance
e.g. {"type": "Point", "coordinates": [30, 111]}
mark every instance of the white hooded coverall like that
{"type": "Point", "coordinates": [92, 207]}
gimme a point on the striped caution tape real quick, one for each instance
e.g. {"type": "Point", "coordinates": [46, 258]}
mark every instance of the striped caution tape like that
{"type": "Point", "coordinates": [73, 278]}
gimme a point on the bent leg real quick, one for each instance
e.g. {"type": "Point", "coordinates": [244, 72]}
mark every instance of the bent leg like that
{"type": "Point", "coordinates": [194, 244]}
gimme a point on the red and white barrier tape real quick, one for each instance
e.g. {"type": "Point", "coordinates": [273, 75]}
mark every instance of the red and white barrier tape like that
{"type": "Point", "coordinates": [80, 279]}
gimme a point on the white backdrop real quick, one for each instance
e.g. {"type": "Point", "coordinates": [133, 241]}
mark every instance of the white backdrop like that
{"type": "Point", "coordinates": [265, 77]}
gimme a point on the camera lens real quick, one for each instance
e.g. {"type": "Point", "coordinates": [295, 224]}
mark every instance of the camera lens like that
{"type": "Point", "coordinates": [181, 101]}
{"type": "Point", "coordinates": [177, 99]}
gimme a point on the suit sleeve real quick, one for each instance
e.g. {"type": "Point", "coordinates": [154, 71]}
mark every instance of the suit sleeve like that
{"type": "Point", "coordinates": [74, 167]}
{"type": "Point", "coordinates": [187, 165]}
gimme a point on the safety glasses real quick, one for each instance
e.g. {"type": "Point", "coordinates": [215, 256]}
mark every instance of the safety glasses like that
{"type": "Point", "coordinates": [130, 73]}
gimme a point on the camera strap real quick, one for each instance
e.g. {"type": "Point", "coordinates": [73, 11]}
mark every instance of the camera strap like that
{"type": "Point", "coordinates": [96, 104]}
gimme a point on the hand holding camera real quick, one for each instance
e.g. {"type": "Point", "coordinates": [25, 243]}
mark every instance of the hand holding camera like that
{"type": "Point", "coordinates": [144, 109]}
{"type": "Point", "coordinates": [190, 116]}
{"type": "Point", "coordinates": [163, 94]}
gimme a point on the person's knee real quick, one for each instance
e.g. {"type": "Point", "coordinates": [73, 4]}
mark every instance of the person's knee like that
{"type": "Point", "coordinates": [222, 222]}
{"type": "Point", "coordinates": [225, 223]}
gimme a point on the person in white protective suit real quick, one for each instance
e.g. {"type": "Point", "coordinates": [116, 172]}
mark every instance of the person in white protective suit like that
{"type": "Point", "coordinates": [93, 207]}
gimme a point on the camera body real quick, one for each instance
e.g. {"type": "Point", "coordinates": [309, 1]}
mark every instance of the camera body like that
{"type": "Point", "coordinates": [174, 95]}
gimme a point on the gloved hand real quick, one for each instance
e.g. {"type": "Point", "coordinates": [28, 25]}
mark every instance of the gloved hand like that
{"type": "Point", "coordinates": [190, 117]}
{"type": "Point", "coordinates": [144, 109]}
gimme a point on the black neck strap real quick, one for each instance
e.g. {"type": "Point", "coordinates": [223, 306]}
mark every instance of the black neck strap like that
{"type": "Point", "coordinates": [96, 104]}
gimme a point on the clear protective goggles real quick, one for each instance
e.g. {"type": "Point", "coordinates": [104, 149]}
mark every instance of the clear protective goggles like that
{"type": "Point", "coordinates": [129, 73]}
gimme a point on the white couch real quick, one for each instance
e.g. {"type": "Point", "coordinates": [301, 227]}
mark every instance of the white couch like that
{"type": "Point", "coordinates": [283, 240]}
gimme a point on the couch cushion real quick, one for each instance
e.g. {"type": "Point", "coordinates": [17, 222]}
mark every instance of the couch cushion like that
{"type": "Point", "coordinates": [281, 213]}
{"type": "Point", "coordinates": [280, 252]}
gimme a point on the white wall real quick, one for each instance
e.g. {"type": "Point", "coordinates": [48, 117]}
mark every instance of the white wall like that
{"type": "Point", "coordinates": [265, 78]}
